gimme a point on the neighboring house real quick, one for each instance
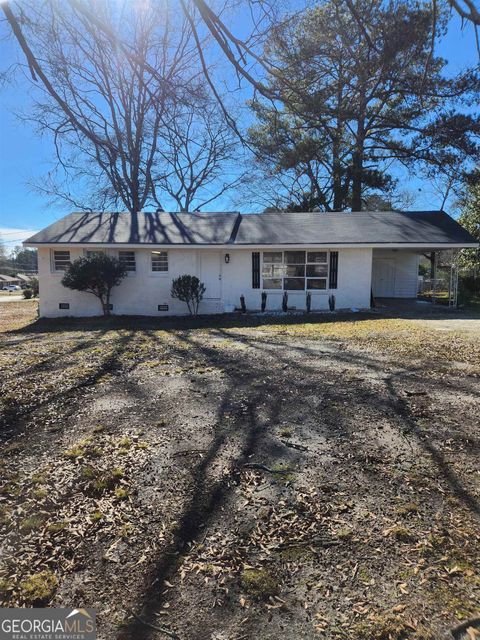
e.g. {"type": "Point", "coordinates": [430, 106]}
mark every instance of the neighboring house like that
{"type": "Point", "coordinates": [345, 254]}
{"type": "Point", "coordinates": [26, 279]}
{"type": "Point", "coordinates": [6, 280]}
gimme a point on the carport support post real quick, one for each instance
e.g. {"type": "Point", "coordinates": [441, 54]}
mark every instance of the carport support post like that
{"type": "Point", "coordinates": [432, 266]}
{"type": "Point", "coordinates": [433, 275]}
{"type": "Point", "coordinates": [453, 283]}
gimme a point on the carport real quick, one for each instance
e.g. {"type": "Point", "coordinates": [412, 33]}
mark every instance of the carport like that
{"type": "Point", "coordinates": [395, 274]}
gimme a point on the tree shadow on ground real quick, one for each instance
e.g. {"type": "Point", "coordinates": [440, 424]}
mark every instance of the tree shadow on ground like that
{"type": "Point", "coordinates": [68, 324]}
{"type": "Point", "coordinates": [241, 400]}
{"type": "Point", "coordinates": [16, 413]}
{"type": "Point", "coordinates": [243, 375]}
{"type": "Point", "coordinates": [237, 319]}
{"type": "Point", "coordinates": [394, 401]}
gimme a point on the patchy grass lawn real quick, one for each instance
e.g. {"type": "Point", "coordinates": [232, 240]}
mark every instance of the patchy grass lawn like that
{"type": "Point", "coordinates": [248, 479]}
{"type": "Point", "coordinates": [15, 315]}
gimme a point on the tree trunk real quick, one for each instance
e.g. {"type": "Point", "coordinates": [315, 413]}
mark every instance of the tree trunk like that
{"type": "Point", "coordinates": [338, 193]}
{"type": "Point", "coordinates": [357, 158]}
{"type": "Point", "coordinates": [106, 305]}
{"type": "Point", "coordinates": [338, 203]}
{"type": "Point", "coordinates": [357, 181]}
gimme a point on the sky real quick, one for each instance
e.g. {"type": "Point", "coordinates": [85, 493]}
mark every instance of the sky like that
{"type": "Point", "coordinates": [25, 156]}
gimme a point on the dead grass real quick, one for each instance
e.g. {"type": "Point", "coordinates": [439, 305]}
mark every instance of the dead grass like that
{"type": "Point", "coordinates": [124, 478]}
{"type": "Point", "coordinates": [259, 583]}
{"type": "Point", "coordinates": [399, 337]}
{"type": "Point", "coordinates": [15, 315]}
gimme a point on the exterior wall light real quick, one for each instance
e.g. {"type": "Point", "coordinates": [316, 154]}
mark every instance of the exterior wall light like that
{"type": "Point", "coordinates": [227, 258]}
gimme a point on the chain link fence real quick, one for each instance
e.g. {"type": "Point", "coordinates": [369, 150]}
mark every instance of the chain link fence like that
{"type": "Point", "coordinates": [450, 288]}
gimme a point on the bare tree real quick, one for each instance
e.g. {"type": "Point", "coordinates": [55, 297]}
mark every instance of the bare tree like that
{"type": "Point", "coordinates": [246, 55]}
{"type": "Point", "coordinates": [200, 157]}
{"type": "Point", "coordinates": [108, 137]}
{"type": "Point", "coordinates": [127, 129]}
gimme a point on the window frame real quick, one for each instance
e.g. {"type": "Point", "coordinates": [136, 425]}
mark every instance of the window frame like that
{"type": "Point", "coordinates": [86, 252]}
{"type": "Point", "coordinates": [129, 271]}
{"type": "Point", "coordinates": [54, 261]}
{"type": "Point", "coordinates": [158, 272]}
{"type": "Point", "coordinates": [283, 270]}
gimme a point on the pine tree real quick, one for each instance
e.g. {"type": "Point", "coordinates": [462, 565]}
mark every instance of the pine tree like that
{"type": "Point", "coordinates": [357, 96]}
{"type": "Point", "coordinates": [470, 219]}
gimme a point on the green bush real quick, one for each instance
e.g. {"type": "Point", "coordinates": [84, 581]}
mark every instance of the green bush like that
{"type": "Point", "coordinates": [190, 290]}
{"type": "Point", "coordinates": [96, 274]}
{"type": "Point", "coordinates": [27, 294]}
{"type": "Point", "coordinates": [34, 287]}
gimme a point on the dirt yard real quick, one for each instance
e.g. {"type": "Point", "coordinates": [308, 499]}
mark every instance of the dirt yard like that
{"type": "Point", "coordinates": [248, 479]}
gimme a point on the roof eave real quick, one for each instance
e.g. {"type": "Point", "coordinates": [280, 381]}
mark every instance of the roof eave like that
{"type": "Point", "coordinates": [238, 245]}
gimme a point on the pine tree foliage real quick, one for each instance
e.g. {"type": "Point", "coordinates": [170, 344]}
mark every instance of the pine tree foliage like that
{"type": "Point", "coordinates": [357, 98]}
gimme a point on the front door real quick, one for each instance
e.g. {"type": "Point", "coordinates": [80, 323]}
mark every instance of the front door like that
{"type": "Point", "coordinates": [383, 278]}
{"type": "Point", "coordinates": [211, 274]}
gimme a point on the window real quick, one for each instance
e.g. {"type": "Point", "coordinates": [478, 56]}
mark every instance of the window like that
{"type": "Point", "coordinates": [127, 258]}
{"type": "Point", "coordinates": [159, 261]}
{"type": "Point", "coordinates": [272, 269]}
{"type": "Point", "coordinates": [61, 260]}
{"type": "Point", "coordinates": [317, 256]}
{"type": "Point", "coordinates": [88, 253]}
{"type": "Point", "coordinates": [295, 270]}
{"type": "Point", "coordinates": [317, 270]}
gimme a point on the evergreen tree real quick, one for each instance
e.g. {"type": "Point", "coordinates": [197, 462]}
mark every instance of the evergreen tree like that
{"type": "Point", "coordinates": [356, 97]}
{"type": "Point", "coordinates": [470, 219]}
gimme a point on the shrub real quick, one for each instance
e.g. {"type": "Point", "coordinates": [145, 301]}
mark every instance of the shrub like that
{"type": "Point", "coordinates": [190, 290]}
{"type": "Point", "coordinates": [285, 301]}
{"type": "Point", "coordinates": [34, 287]}
{"type": "Point", "coordinates": [264, 300]}
{"type": "Point", "coordinates": [27, 294]}
{"type": "Point", "coordinates": [96, 274]}
{"type": "Point", "coordinates": [243, 306]}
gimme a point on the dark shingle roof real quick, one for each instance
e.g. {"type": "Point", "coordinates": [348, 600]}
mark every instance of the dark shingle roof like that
{"type": "Point", "coordinates": [141, 228]}
{"type": "Point", "coordinates": [366, 227]}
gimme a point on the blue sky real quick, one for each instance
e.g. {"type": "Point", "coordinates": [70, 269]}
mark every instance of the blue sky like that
{"type": "Point", "coordinates": [24, 156]}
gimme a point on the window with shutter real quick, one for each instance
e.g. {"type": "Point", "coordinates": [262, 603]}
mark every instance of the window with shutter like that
{"type": "Point", "coordinates": [255, 270]}
{"type": "Point", "coordinates": [333, 278]}
{"type": "Point", "coordinates": [295, 270]}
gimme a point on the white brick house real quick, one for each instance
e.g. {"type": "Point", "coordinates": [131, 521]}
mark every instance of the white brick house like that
{"type": "Point", "coordinates": [345, 254]}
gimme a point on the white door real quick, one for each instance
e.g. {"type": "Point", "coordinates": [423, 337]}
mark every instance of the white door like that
{"type": "Point", "coordinates": [383, 278]}
{"type": "Point", "coordinates": [211, 274]}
